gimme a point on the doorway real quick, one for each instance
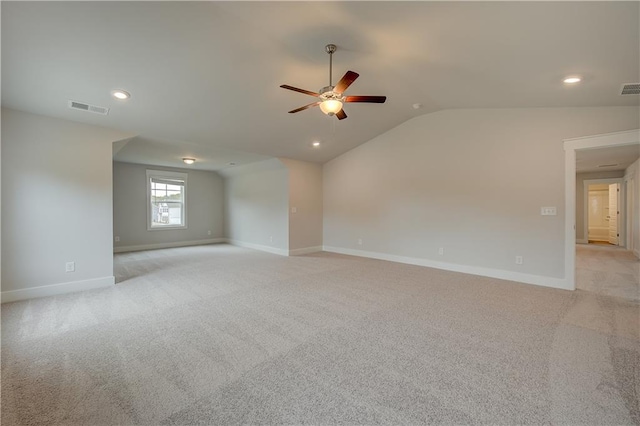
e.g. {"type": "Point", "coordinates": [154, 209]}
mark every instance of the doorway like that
{"type": "Point", "coordinates": [571, 147]}
{"type": "Point", "coordinates": [603, 212]}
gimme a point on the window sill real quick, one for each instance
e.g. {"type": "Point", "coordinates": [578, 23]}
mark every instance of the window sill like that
{"type": "Point", "coordinates": [165, 228]}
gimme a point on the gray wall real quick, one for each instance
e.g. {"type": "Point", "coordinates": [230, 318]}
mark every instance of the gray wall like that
{"type": "Point", "coordinates": [56, 201]}
{"type": "Point", "coordinates": [305, 196]}
{"type": "Point", "coordinates": [257, 204]}
{"type": "Point", "coordinates": [470, 181]}
{"type": "Point", "coordinates": [580, 178]}
{"type": "Point", "coordinates": [205, 208]}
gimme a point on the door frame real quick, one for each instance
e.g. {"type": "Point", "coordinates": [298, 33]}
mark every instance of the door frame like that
{"type": "Point", "coordinates": [631, 193]}
{"type": "Point", "coordinates": [629, 137]}
{"type": "Point", "coordinates": [585, 206]}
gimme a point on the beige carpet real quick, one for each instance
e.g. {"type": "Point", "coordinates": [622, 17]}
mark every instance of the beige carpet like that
{"type": "Point", "coordinates": [224, 335]}
{"type": "Point", "coordinates": [608, 270]}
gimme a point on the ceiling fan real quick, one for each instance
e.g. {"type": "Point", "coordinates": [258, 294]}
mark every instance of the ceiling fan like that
{"type": "Point", "coordinates": [331, 98]}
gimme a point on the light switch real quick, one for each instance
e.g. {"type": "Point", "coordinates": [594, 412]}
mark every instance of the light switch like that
{"type": "Point", "coordinates": [548, 211]}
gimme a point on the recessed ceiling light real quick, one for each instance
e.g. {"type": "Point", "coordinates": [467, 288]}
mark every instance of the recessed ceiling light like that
{"type": "Point", "coordinates": [316, 144]}
{"type": "Point", "coordinates": [121, 94]}
{"type": "Point", "coordinates": [189, 160]}
{"type": "Point", "coordinates": [232, 163]}
{"type": "Point", "coordinates": [572, 80]}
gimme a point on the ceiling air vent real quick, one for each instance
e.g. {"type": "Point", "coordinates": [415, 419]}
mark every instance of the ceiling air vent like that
{"type": "Point", "coordinates": [630, 89]}
{"type": "Point", "coordinates": [90, 108]}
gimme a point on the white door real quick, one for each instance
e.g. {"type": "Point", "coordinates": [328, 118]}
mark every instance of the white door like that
{"type": "Point", "coordinates": [614, 214]}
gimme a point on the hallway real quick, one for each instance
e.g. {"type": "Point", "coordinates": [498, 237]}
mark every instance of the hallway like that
{"type": "Point", "coordinates": [608, 270]}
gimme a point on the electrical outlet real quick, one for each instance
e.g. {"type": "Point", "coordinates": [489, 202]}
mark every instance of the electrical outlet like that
{"type": "Point", "coordinates": [70, 267]}
{"type": "Point", "coordinates": [117, 239]}
{"type": "Point", "coordinates": [294, 210]}
{"type": "Point", "coordinates": [209, 232]}
{"type": "Point", "coordinates": [359, 241]}
{"type": "Point", "coordinates": [519, 260]}
{"type": "Point", "coordinates": [271, 239]}
{"type": "Point", "coordinates": [441, 251]}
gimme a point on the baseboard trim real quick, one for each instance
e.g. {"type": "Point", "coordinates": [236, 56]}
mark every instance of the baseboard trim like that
{"type": "Point", "coordinates": [56, 289]}
{"type": "Point", "coordinates": [274, 250]}
{"type": "Point", "coordinates": [582, 241]}
{"type": "Point", "coordinates": [305, 250]}
{"type": "Point", "coordinates": [124, 249]}
{"type": "Point", "coordinates": [466, 269]}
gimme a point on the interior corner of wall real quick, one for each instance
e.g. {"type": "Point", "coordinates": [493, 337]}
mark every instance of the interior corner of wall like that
{"type": "Point", "coordinates": [287, 162]}
{"type": "Point", "coordinates": [119, 144]}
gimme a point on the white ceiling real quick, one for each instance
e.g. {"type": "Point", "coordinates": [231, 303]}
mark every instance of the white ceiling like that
{"type": "Point", "coordinates": [606, 159]}
{"type": "Point", "coordinates": [205, 76]}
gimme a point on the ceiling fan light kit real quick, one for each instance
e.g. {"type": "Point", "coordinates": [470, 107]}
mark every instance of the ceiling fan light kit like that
{"type": "Point", "coordinates": [331, 106]}
{"type": "Point", "coordinates": [332, 98]}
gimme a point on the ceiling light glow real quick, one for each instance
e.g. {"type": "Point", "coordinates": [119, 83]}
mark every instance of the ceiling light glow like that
{"type": "Point", "coordinates": [331, 106]}
{"type": "Point", "coordinates": [572, 80]}
{"type": "Point", "coordinates": [189, 160]}
{"type": "Point", "coordinates": [121, 94]}
{"type": "Point", "coordinates": [316, 144]}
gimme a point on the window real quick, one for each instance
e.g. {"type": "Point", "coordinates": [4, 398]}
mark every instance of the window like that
{"type": "Point", "coordinates": [166, 200]}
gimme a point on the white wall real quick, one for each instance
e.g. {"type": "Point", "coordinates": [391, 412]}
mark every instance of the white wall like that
{"type": "Point", "coordinates": [633, 173]}
{"type": "Point", "coordinates": [205, 209]}
{"type": "Point", "coordinates": [257, 204]}
{"type": "Point", "coordinates": [470, 181]}
{"type": "Point", "coordinates": [56, 205]}
{"type": "Point", "coordinates": [305, 206]}
{"type": "Point", "coordinates": [580, 178]}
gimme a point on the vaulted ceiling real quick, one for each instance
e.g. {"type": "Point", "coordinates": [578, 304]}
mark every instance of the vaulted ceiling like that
{"type": "Point", "coordinates": [204, 77]}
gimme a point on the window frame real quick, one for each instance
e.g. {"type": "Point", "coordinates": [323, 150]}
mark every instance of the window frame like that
{"type": "Point", "coordinates": [160, 174]}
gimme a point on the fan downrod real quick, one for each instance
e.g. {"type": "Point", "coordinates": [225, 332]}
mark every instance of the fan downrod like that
{"type": "Point", "coordinates": [330, 48]}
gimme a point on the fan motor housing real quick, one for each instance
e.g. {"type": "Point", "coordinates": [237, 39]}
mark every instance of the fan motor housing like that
{"type": "Point", "coordinates": [328, 93]}
{"type": "Point", "coordinates": [326, 89]}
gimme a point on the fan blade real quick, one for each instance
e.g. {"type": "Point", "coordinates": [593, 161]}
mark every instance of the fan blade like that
{"type": "Point", "coordinates": [295, 89]}
{"type": "Point", "coordinates": [370, 99]}
{"type": "Point", "coordinates": [304, 107]}
{"type": "Point", "coordinates": [341, 115]}
{"type": "Point", "coordinates": [345, 81]}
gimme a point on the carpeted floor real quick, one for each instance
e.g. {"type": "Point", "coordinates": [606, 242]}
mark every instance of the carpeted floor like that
{"type": "Point", "coordinates": [223, 335]}
{"type": "Point", "coordinates": [608, 270]}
